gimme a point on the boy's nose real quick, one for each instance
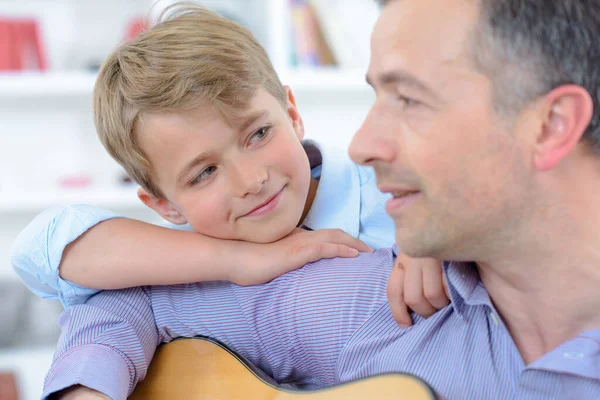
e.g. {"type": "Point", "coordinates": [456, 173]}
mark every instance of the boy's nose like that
{"type": "Point", "coordinates": [249, 180]}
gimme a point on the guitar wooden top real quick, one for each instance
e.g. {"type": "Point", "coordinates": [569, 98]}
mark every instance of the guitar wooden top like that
{"type": "Point", "coordinates": [190, 369]}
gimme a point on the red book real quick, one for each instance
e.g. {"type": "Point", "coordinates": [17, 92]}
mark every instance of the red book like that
{"type": "Point", "coordinates": [21, 46]}
{"type": "Point", "coordinates": [5, 51]}
{"type": "Point", "coordinates": [36, 40]}
{"type": "Point", "coordinates": [8, 387]}
{"type": "Point", "coordinates": [17, 40]}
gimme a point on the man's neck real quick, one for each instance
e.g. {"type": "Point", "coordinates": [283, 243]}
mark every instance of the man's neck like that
{"type": "Point", "coordinates": [540, 318]}
{"type": "Point", "coordinates": [546, 288]}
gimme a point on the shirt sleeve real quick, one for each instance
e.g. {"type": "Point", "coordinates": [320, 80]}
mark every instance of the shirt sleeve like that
{"type": "Point", "coordinates": [37, 251]}
{"type": "Point", "coordinates": [106, 344]}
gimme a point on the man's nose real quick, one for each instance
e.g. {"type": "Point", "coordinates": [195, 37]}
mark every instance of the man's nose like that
{"type": "Point", "coordinates": [248, 178]}
{"type": "Point", "coordinates": [372, 143]}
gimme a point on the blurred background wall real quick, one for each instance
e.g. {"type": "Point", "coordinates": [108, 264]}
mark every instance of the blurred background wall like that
{"type": "Point", "coordinates": [50, 51]}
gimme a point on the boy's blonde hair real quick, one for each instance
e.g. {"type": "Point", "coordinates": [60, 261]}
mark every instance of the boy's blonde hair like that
{"type": "Point", "coordinates": [190, 55]}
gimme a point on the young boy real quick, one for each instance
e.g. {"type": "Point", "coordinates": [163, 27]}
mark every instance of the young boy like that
{"type": "Point", "coordinates": [195, 113]}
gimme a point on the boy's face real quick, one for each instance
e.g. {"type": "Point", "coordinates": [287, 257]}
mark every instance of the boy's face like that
{"type": "Point", "coordinates": [246, 182]}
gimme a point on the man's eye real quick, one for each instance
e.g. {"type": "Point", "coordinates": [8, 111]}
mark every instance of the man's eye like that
{"type": "Point", "coordinates": [260, 134]}
{"type": "Point", "coordinates": [406, 101]}
{"type": "Point", "coordinates": [204, 175]}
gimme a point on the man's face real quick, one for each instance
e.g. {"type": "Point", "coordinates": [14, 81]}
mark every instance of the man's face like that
{"type": "Point", "coordinates": [246, 182]}
{"type": "Point", "coordinates": [458, 173]}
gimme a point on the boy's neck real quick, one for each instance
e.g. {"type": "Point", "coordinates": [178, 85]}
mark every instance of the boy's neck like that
{"type": "Point", "coordinates": [312, 192]}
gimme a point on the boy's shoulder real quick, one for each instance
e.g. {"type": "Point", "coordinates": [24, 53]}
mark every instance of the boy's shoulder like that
{"type": "Point", "coordinates": [333, 160]}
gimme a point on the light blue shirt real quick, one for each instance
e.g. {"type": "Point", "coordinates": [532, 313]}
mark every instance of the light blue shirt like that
{"type": "Point", "coordinates": [347, 198]}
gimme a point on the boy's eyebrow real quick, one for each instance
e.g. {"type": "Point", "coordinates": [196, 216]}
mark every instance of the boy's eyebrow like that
{"type": "Point", "coordinates": [247, 120]}
{"type": "Point", "coordinates": [199, 159]}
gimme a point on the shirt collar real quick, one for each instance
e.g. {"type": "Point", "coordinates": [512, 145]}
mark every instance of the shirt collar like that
{"type": "Point", "coordinates": [578, 356]}
{"type": "Point", "coordinates": [465, 286]}
{"type": "Point", "coordinates": [337, 201]}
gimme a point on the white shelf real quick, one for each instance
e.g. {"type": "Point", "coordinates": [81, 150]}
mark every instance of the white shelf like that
{"type": "Point", "coordinates": [325, 80]}
{"type": "Point", "coordinates": [81, 84]}
{"type": "Point", "coordinates": [125, 198]}
{"type": "Point", "coordinates": [53, 84]}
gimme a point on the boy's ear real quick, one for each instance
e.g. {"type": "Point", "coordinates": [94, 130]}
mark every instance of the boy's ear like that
{"type": "Point", "coordinates": [163, 207]}
{"type": "Point", "coordinates": [294, 114]}
{"type": "Point", "coordinates": [567, 113]}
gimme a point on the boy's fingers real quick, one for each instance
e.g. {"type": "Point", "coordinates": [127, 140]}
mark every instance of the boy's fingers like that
{"type": "Point", "coordinates": [338, 236]}
{"type": "Point", "coordinates": [413, 292]}
{"type": "Point", "coordinates": [332, 236]}
{"type": "Point", "coordinates": [395, 295]}
{"type": "Point", "coordinates": [317, 251]}
{"type": "Point", "coordinates": [433, 283]}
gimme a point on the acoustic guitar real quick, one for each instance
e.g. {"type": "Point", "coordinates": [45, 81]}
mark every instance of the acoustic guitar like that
{"type": "Point", "coordinates": [201, 368]}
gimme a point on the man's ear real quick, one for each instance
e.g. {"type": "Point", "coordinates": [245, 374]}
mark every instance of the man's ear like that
{"type": "Point", "coordinates": [567, 113]}
{"type": "Point", "coordinates": [163, 207]}
{"type": "Point", "coordinates": [294, 114]}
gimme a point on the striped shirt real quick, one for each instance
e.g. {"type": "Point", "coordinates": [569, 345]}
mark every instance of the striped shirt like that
{"type": "Point", "coordinates": [326, 323]}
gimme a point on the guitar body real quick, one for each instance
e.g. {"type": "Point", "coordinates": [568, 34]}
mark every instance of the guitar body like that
{"type": "Point", "coordinates": [199, 368]}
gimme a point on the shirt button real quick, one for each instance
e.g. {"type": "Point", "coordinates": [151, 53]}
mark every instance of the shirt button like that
{"type": "Point", "coordinates": [573, 355]}
{"type": "Point", "coordinates": [494, 318]}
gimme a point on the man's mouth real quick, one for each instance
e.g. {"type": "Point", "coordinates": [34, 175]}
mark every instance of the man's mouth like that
{"type": "Point", "coordinates": [398, 195]}
{"type": "Point", "coordinates": [401, 198]}
{"type": "Point", "coordinates": [397, 192]}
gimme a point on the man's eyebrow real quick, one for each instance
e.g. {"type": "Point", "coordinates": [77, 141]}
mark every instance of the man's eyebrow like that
{"type": "Point", "coordinates": [402, 78]}
{"type": "Point", "coordinates": [199, 159]}
{"type": "Point", "coordinates": [247, 120]}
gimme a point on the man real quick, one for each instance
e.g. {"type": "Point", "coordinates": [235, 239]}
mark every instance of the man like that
{"type": "Point", "coordinates": [484, 131]}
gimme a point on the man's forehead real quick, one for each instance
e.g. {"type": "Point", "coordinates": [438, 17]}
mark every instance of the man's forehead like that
{"type": "Point", "coordinates": [422, 35]}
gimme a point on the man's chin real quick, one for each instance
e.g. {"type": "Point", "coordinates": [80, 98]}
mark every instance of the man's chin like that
{"type": "Point", "coordinates": [412, 246]}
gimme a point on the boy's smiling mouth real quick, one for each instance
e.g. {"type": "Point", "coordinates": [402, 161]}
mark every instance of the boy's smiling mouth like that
{"type": "Point", "coordinates": [266, 206]}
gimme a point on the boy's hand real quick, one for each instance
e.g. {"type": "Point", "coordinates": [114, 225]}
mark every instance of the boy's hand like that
{"type": "Point", "coordinates": [265, 262]}
{"type": "Point", "coordinates": [418, 284]}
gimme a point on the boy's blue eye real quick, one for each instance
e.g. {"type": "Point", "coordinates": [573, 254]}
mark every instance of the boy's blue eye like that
{"type": "Point", "coordinates": [260, 134]}
{"type": "Point", "coordinates": [204, 175]}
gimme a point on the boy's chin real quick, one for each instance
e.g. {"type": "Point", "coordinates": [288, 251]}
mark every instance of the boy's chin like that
{"type": "Point", "coordinates": [269, 234]}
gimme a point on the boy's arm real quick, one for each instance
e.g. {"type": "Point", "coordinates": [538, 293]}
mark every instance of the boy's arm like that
{"type": "Point", "coordinates": [121, 253]}
{"type": "Point", "coordinates": [93, 249]}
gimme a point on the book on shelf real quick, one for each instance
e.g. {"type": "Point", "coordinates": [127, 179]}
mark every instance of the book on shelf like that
{"type": "Point", "coordinates": [310, 47]}
{"type": "Point", "coordinates": [21, 48]}
{"type": "Point", "coordinates": [332, 32]}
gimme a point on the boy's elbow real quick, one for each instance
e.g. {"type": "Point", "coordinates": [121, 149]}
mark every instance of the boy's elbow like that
{"type": "Point", "coordinates": [29, 252]}
{"type": "Point", "coordinates": [27, 242]}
